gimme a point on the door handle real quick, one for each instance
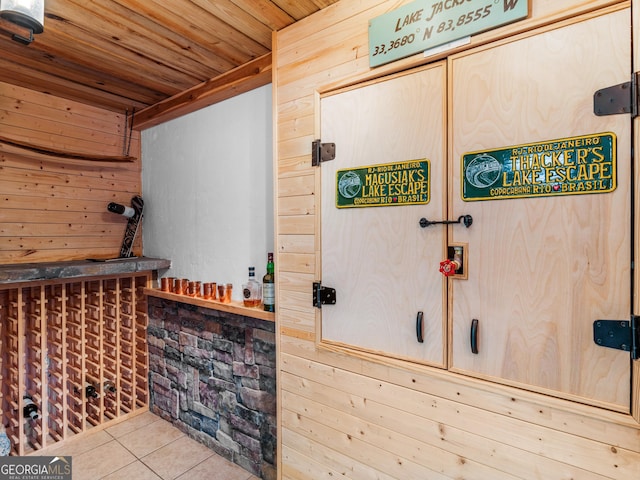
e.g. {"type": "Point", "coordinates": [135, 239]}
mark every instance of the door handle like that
{"type": "Point", "coordinates": [467, 220]}
{"type": "Point", "coordinates": [420, 327]}
{"type": "Point", "coordinates": [474, 336]}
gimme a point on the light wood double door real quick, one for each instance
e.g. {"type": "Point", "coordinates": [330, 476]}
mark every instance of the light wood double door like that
{"type": "Point", "coordinates": [540, 269]}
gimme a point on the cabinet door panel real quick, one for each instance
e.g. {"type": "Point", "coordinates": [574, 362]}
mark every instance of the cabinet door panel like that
{"type": "Point", "coordinates": [542, 269]}
{"type": "Point", "coordinates": [383, 265]}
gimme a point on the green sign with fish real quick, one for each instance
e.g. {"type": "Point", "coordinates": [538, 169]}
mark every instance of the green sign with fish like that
{"type": "Point", "coordinates": [404, 183]}
{"type": "Point", "coordinates": [567, 166]}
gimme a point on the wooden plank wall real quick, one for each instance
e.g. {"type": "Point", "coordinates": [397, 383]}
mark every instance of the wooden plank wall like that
{"type": "Point", "coordinates": [355, 417]}
{"type": "Point", "coordinates": [53, 208]}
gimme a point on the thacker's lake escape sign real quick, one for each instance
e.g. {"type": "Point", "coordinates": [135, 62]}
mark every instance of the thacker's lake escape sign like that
{"type": "Point", "coordinates": [568, 166]}
{"type": "Point", "coordinates": [426, 24]}
{"type": "Point", "coordinates": [404, 183]}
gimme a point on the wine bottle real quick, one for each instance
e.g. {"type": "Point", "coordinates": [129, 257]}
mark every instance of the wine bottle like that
{"type": "Point", "coordinates": [90, 390]}
{"type": "Point", "coordinates": [30, 409]}
{"type": "Point", "coordinates": [269, 286]}
{"type": "Point", "coordinates": [109, 386]}
{"type": "Point", "coordinates": [121, 209]}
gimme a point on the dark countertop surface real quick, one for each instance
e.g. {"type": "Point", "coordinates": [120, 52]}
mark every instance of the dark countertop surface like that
{"type": "Point", "coordinates": [28, 272]}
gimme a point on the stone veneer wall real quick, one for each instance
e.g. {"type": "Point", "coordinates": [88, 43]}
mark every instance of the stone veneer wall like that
{"type": "Point", "coordinates": [212, 374]}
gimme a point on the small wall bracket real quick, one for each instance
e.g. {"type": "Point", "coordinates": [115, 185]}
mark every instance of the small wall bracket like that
{"type": "Point", "coordinates": [323, 295]}
{"type": "Point", "coordinates": [322, 152]}
{"type": "Point", "coordinates": [617, 99]}
{"type": "Point", "coordinates": [619, 334]}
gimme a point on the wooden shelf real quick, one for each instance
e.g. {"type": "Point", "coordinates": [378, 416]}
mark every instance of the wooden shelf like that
{"type": "Point", "coordinates": [233, 307]}
{"type": "Point", "coordinates": [54, 152]}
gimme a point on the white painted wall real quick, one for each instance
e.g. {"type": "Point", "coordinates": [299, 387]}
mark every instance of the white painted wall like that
{"type": "Point", "coordinates": [207, 183]}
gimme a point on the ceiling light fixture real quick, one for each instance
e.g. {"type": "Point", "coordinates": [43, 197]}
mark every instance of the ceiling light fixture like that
{"type": "Point", "coordinates": [28, 14]}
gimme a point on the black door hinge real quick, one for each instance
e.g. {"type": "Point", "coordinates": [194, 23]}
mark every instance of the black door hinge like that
{"type": "Point", "coordinates": [322, 152]}
{"type": "Point", "coordinates": [323, 295]}
{"type": "Point", "coordinates": [617, 99]}
{"type": "Point", "coordinates": [619, 334]}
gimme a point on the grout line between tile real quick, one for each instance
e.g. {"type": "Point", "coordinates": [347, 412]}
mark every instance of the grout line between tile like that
{"type": "Point", "coordinates": [154, 470]}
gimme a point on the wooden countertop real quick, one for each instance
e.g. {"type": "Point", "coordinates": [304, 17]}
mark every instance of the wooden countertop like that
{"type": "Point", "coordinates": [233, 307]}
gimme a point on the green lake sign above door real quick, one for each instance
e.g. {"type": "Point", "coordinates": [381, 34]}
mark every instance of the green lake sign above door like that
{"type": "Point", "coordinates": [424, 24]}
{"type": "Point", "coordinates": [567, 166]}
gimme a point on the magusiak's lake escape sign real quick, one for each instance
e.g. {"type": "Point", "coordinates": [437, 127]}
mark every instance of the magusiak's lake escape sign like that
{"type": "Point", "coordinates": [426, 24]}
{"type": "Point", "coordinates": [567, 166]}
{"type": "Point", "coordinates": [403, 183]}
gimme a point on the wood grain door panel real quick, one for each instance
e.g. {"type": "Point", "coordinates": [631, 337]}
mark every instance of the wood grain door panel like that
{"type": "Point", "coordinates": [541, 270]}
{"type": "Point", "coordinates": [383, 265]}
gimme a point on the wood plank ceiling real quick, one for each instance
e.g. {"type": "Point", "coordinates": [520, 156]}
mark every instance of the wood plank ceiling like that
{"type": "Point", "coordinates": [123, 55]}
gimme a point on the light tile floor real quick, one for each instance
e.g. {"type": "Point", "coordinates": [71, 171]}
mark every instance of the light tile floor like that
{"type": "Point", "coordinates": [145, 447]}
